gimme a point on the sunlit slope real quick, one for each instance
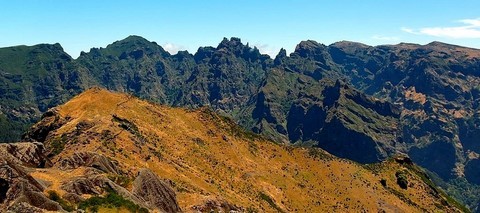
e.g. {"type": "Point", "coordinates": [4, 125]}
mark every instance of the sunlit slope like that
{"type": "Point", "coordinates": [208, 159]}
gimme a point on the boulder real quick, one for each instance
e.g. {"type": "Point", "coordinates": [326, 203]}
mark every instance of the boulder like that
{"type": "Point", "coordinates": [156, 193]}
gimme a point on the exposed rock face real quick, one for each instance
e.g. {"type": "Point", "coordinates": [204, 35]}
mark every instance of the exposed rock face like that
{"type": "Point", "coordinates": [435, 85]}
{"type": "Point", "coordinates": [24, 207]}
{"type": "Point", "coordinates": [435, 79]}
{"type": "Point", "coordinates": [50, 122]}
{"type": "Point", "coordinates": [25, 153]}
{"type": "Point", "coordinates": [437, 91]}
{"type": "Point", "coordinates": [17, 187]}
{"type": "Point", "coordinates": [148, 190]}
{"type": "Point", "coordinates": [331, 115]}
{"type": "Point", "coordinates": [93, 185]}
{"type": "Point", "coordinates": [89, 159]}
{"type": "Point", "coordinates": [156, 194]}
{"type": "Point", "coordinates": [24, 191]}
{"type": "Point", "coordinates": [98, 185]}
{"type": "Point", "coordinates": [20, 192]}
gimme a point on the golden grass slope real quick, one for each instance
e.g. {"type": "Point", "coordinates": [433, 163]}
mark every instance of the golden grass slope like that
{"type": "Point", "coordinates": [206, 157]}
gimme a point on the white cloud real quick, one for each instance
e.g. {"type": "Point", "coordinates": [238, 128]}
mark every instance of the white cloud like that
{"type": "Point", "coordinates": [173, 48]}
{"type": "Point", "coordinates": [471, 22]}
{"type": "Point", "coordinates": [385, 38]}
{"type": "Point", "coordinates": [267, 49]}
{"type": "Point", "coordinates": [408, 30]}
{"type": "Point", "coordinates": [470, 29]}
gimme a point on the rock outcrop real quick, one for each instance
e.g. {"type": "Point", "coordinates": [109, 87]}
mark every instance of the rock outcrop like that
{"type": "Point", "coordinates": [25, 153]}
{"type": "Point", "coordinates": [156, 193]}
{"type": "Point", "coordinates": [18, 187]}
{"type": "Point", "coordinates": [435, 86]}
{"type": "Point", "coordinates": [20, 192]}
{"type": "Point", "coordinates": [50, 121]}
{"type": "Point", "coordinates": [89, 159]}
{"type": "Point", "coordinates": [97, 185]}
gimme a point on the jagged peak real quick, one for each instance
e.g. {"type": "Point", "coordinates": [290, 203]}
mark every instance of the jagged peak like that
{"type": "Point", "coordinates": [236, 47]}
{"type": "Point", "coordinates": [204, 52]}
{"type": "Point", "coordinates": [183, 54]}
{"type": "Point", "coordinates": [309, 48]}
{"type": "Point", "coordinates": [308, 44]}
{"type": "Point", "coordinates": [281, 55]}
{"type": "Point", "coordinates": [232, 43]}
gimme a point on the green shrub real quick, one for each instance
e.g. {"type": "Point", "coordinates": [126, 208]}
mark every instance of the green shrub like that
{"type": "Point", "coordinates": [121, 180]}
{"type": "Point", "coordinates": [111, 200]}
{"type": "Point", "coordinates": [270, 201]}
{"type": "Point", "coordinates": [53, 195]}
{"type": "Point", "coordinates": [402, 180]}
{"type": "Point", "coordinates": [58, 144]}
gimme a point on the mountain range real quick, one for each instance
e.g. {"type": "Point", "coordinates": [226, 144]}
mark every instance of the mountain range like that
{"type": "Point", "coordinates": [360, 102]}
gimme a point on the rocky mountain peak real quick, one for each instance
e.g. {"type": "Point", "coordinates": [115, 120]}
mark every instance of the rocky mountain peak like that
{"type": "Point", "coordinates": [280, 56]}
{"type": "Point", "coordinates": [278, 98]}
{"type": "Point", "coordinates": [133, 46]}
{"type": "Point", "coordinates": [236, 47]}
{"type": "Point", "coordinates": [313, 50]}
{"type": "Point", "coordinates": [233, 42]}
{"type": "Point", "coordinates": [308, 44]}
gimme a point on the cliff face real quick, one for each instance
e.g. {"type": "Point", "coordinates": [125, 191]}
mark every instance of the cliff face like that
{"type": "Point", "coordinates": [405, 98]}
{"type": "Point", "coordinates": [436, 85]}
{"type": "Point", "coordinates": [111, 151]}
{"type": "Point", "coordinates": [330, 115]}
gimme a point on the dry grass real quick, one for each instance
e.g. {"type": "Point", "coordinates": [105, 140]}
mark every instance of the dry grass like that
{"type": "Point", "coordinates": [206, 159]}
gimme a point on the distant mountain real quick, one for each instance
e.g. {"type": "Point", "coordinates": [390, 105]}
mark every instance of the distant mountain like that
{"type": "Point", "coordinates": [356, 101]}
{"type": "Point", "coordinates": [33, 79]}
{"type": "Point", "coordinates": [113, 152]}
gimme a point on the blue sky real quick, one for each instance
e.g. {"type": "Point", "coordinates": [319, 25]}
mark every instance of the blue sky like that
{"type": "Point", "coordinates": [269, 25]}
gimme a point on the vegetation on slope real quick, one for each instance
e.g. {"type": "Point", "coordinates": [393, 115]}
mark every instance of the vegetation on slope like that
{"type": "Point", "coordinates": [435, 85]}
{"type": "Point", "coordinates": [207, 159]}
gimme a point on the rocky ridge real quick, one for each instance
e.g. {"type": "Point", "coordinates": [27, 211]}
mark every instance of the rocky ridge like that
{"type": "Point", "coordinates": [434, 87]}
